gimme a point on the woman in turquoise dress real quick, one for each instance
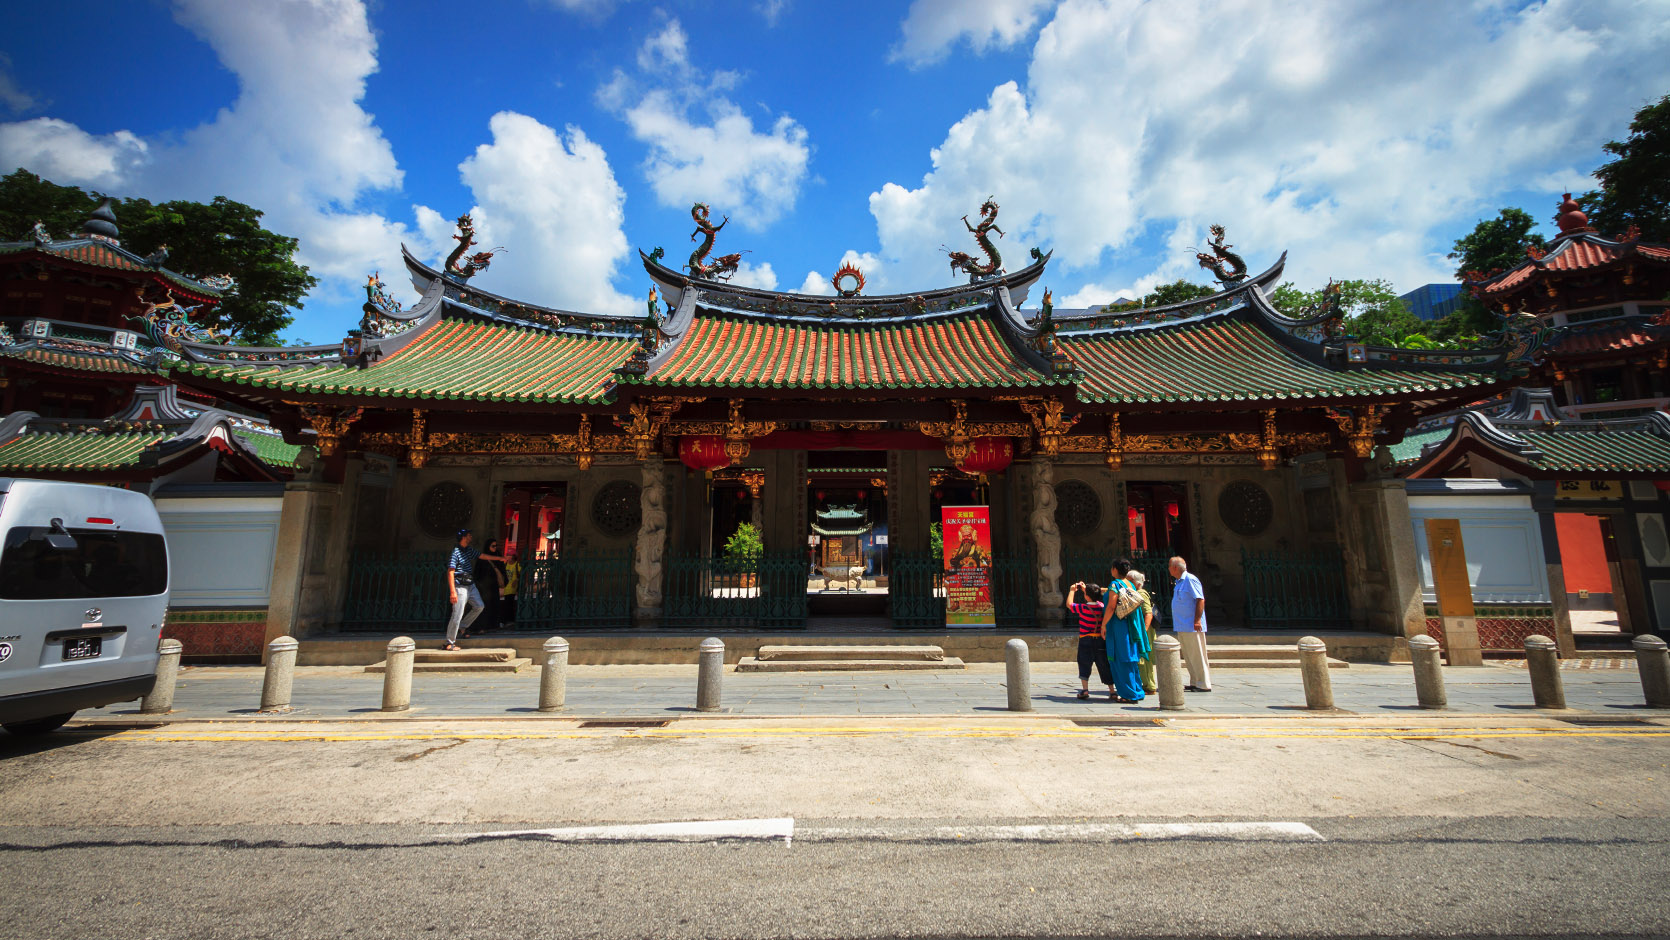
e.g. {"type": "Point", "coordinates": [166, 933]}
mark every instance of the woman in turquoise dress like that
{"type": "Point", "coordinates": [1127, 637]}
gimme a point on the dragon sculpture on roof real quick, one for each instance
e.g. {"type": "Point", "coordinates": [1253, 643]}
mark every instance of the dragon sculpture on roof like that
{"type": "Point", "coordinates": [463, 268]}
{"type": "Point", "coordinates": [720, 268]}
{"type": "Point", "coordinates": [1225, 265]}
{"type": "Point", "coordinates": [378, 308]}
{"type": "Point", "coordinates": [964, 262]}
{"type": "Point", "coordinates": [168, 325]}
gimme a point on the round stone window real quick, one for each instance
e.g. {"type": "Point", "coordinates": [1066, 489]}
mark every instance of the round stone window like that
{"type": "Point", "coordinates": [615, 509]}
{"type": "Point", "coordinates": [444, 509]}
{"type": "Point", "coordinates": [1077, 509]}
{"type": "Point", "coordinates": [1245, 507]}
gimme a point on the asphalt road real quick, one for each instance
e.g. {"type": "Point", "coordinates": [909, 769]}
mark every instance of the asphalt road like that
{"type": "Point", "coordinates": [900, 829]}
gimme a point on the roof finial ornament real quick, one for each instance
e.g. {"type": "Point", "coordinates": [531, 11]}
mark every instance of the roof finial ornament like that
{"type": "Point", "coordinates": [720, 268]}
{"type": "Point", "coordinates": [964, 262]}
{"type": "Point", "coordinates": [39, 234]}
{"type": "Point", "coordinates": [1571, 218]}
{"type": "Point", "coordinates": [101, 225]}
{"type": "Point", "coordinates": [459, 268]}
{"type": "Point", "coordinates": [1224, 264]}
{"type": "Point", "coordinates": [848, 270]}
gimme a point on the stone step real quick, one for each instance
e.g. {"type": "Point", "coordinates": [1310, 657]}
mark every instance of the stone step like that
{"type": "Point", "coordinates": [754, 664]}
{"type": "Point", "coordinates": [477, 660]}
{"type": "Point", "coordinates": [1292, 664]}
{"type": "Point", "coordinates": [876, 651]}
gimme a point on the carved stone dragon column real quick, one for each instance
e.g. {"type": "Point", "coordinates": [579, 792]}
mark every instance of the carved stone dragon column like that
{"type": "Point", "coordinates": [1047, 541]}
{"type": "Point", "coordinates": [652, 541]}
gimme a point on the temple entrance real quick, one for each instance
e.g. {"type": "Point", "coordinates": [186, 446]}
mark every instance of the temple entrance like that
{"type": "Point", "coordinates": [1158, 514]}
{"type": "Point", "coordinates": [533, 518]}
{"type": "Point", "coordinates": [847, 535]}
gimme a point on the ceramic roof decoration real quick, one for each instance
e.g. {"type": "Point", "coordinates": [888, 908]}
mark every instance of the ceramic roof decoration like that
{"type": "Point", "coordinates": [1530, 436]}
{"type": "Point", "coordinates": [154, 436]}
{"type": "Point", "coordinates": [98, 247]}
{"type": "Point", "coordinates": [1562, 276]}
{"type": "Point", "coordinates": [461, 349]}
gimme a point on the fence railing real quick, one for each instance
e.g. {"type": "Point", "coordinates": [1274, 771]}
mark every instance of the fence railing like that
{"type": "Point", "coordinates": [1295, 590]}
{"type": "Point", "coordinates": [764, 591]}
{"type": "Point", "coordinates": [916, 591]}
{"type": "Point", "coordinates": [1094, 568]}
{"type": "Point", "coordinates": [389, 590]}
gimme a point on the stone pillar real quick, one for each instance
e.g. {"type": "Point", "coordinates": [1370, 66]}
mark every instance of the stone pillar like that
{"type": "Point", "coordinates": [1382, 507]}
{"type": "Point", "coordinates": [1046, 543]}
{"type": "Point", "coordinates": [1555, 569]}
{"type": "Point", "coordinates": [652, 542]}
{"type": "Point", "coordinates": [293, 605]}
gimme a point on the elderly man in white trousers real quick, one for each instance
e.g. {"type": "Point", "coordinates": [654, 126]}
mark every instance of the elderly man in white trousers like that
{"type": "Point", "coordinates": [1188, 621]}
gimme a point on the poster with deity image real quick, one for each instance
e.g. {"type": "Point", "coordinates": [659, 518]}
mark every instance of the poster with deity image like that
{"type": "Point", "coordinates": [967, 544]}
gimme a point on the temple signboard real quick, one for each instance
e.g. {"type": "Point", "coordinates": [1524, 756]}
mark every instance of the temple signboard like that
{"type": "Point", "coordinates": [967, 547]}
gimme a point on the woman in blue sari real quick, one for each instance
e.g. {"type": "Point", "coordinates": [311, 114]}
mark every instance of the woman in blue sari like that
{"type": "Point", "coordinates": [1127, 637]}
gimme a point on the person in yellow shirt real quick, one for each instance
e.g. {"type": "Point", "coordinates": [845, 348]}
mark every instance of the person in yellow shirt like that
{"type": "Point", "coordinates": [507, 597]}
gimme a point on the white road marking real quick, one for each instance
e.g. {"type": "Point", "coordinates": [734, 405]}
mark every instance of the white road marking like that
{"type": "Point", "coordinates": [752, 830]}
{"type": "Point", "coordinates": [1077, 832]}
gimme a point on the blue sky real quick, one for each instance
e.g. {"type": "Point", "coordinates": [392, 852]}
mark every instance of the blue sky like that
{"type": "Point", "coordinates": [1362, 137]}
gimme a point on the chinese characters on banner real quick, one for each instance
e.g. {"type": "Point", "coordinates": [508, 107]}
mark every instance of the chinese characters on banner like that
{"type": "Point", "coordinates": [967, 532]}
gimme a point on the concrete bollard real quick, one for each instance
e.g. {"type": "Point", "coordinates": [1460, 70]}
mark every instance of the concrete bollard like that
{"type": "Point", "coordinates": [1652, 657]}
{"type": "Point", "coordinates": [1542, 661]}
{"type": "Point", "coordinates": [1313, 667]}
{"type": "Point", "coordinates": [553, 675]}
{"type": "Point", "coordinates": [397, 676]}
{"type": "Point", "coordinates": [1425, 653]}
{"type": "Point", "coordinates": [1018, 674]}
{"type": "Point", "coordinates": [710, 674]}
{"type": "Point", "coordinates": [161, 699]}
{"type": "Point", "coordinates": [281, 671]}
{"type": "Point", "coordinates": [1168, 672]}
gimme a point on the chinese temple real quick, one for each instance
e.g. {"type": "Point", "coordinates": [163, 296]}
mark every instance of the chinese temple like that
{"type": "Point", "coordinates": [1219, 429]}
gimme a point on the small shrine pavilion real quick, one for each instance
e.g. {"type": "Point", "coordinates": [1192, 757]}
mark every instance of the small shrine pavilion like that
{"type": "Point", "coordinates": [1218, 429]}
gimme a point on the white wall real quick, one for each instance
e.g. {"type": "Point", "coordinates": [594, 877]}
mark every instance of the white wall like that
{"type": "Point", "coordinates": [1501, 537]}
{"type": "Point", "coordinates": [220, 549]}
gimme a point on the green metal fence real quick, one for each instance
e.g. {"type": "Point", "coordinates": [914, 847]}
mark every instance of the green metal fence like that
{"type": "Point", "coordinates": [1094, 568]}
{"type": "Point", "coordinates": [407, 592]}
{"type": "Point", "coordinates": [1295, 590]}
{"type": "Point", "coordinates": [915, 593]}
{"type": "Point", "coordinates": [764, 591]}
{"type": "Point", "coordinates": [1015, 591]}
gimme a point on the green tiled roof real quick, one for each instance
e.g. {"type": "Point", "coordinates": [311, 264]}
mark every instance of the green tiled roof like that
{"type": "Point", "coordinates": [37, 451]}
{"type": "Point", "coordinates": [81, 362]}
{"type": "Point", "coordinates": [1227, 359]}
{"type": "Point", "coordinates": [1585, 451]}
{"type": "Point", "coordinates": [1409, 449]}
{"type": "Point", "coordinates": [456, 359]}
{"type": "Point", "coordinates": [271, 449]}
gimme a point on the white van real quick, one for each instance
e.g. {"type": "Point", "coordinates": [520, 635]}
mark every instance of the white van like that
{"type": "Point", "coordinates": [83, 593]}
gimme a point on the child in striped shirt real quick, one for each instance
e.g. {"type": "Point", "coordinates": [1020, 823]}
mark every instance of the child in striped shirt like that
{"type": "Point", "coordinates": [1084, 601]}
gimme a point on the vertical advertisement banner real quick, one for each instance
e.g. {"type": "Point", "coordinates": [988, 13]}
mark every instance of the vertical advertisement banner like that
{"type": "Point", "coordinates": [967, 543]}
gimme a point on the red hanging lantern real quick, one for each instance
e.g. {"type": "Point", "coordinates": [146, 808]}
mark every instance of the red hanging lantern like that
{"type": "Point", "coordinates": [1172, 510]}
{"type": "Point", "coordinates": [819, 494]}
{"type": "Point", "coordinates": [703, 452]}
{"type": "Point", "coordinates": [1133, 514]}
{"type": "Point", "coordinates": [988, 455]}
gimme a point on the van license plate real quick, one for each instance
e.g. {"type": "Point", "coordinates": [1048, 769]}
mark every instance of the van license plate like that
{"type": "Point", "coordinates": [86, 647]}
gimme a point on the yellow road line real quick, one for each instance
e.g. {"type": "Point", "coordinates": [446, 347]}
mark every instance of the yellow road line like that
{"type": "Point", "coordinates": [1346, 734]}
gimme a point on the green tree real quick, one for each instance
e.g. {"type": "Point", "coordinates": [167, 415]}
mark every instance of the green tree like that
{"type": "Point", "coordinates": [1496, 244]}
{"type": "Point", "coordinates": [203, 239]}
{"type": "Point", "coordinates": [1373, 312]}
{"type": "Point", "coordinates": [745, 542]}
{"type": "Point", "coordinates": [1635, 187]}
{"type": "Point", "coordinates": [1177, 292]}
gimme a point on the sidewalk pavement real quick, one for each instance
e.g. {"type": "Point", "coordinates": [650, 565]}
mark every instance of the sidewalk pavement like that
{"type": "Point", "coordinates": [669, 691]}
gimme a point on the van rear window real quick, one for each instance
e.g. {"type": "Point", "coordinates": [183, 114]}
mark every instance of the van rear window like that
{"type": "Point", "coordinates": [102, 564]}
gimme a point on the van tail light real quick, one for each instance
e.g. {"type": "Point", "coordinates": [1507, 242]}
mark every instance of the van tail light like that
{"type": "Point", "coordinates": [95, 520]}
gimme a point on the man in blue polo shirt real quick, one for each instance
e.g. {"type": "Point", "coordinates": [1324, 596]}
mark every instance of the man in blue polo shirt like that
{"type": "Point", "coordinates": [461, 589]}
{"type": "Point", "coordinates": [1188, 621]}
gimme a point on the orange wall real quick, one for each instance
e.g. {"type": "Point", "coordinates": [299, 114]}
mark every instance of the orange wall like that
{"type": "Point", "coordinates": [1582, 552]}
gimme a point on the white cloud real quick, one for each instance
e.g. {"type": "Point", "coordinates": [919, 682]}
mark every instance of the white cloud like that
{"type": "Point", "coordinates": [757, 276]}
{"type": "Point", "coordinates": [64, 153]}
{"type": "Point", "coordinates": [932, 27]}
{"type": "Point", "coordinates": [771, 10]}
{"type": "Point", "coordinates": [1323, 128]}
{"type": "Point", "coordinates": [702, 146]}
{"type": "Point", "coordinates": [296, 143]}
{"type": "Point", "coordinates": [12, 95]}
{"type": "Point", "coordinates": [555, 201]}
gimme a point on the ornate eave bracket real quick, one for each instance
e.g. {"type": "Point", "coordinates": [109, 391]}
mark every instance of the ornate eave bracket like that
{"type": "Point", "coordinates": [1050, 422]}
{"type": "Point", "coordinates": [959, 433]}
{"type": "Point", "coordinates": [646, 421]}
{"type": "Point", "coordinates": [1359, 425]}
{"type": "Point", "coordinates": [738, 432]}
{"type": "Point", "coordinates": [329, 425]}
